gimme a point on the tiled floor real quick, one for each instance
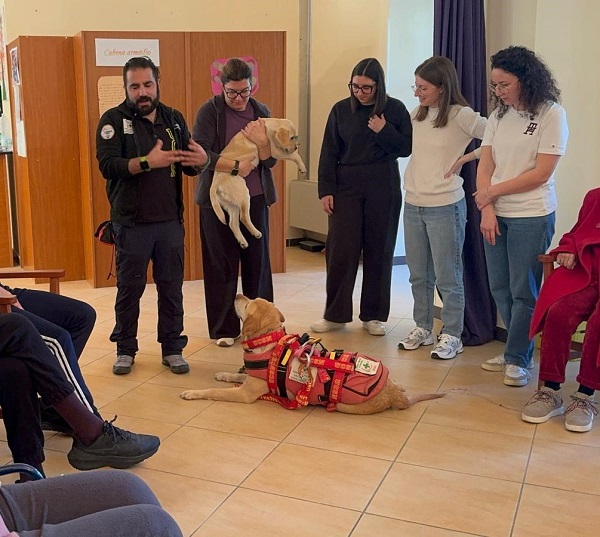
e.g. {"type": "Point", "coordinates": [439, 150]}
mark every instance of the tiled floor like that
{"type": "Point", "coordinates": [462, 465]}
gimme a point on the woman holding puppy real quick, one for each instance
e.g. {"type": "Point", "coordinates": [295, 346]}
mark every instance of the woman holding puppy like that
{"type": "Point", "coordinates": [217, 122]}
{"type": "Point", "coordinates": [359, 188]}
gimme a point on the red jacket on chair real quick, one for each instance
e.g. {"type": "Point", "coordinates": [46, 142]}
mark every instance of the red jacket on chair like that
{"type": "Point", "coordinates": [584, 241]}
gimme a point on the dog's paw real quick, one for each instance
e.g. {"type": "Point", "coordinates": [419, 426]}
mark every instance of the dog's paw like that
{"type": "Point", "coordinates": [188, 395]}
{"type": "Point", "coordinates": [258, 235]}
{"type": "Point", "coordinates": [243, 245]}
{"type": "Point", "coordinates": [222, 376]}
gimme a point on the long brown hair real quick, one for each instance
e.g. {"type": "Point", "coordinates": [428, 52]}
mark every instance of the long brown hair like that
{"type": "Point", "coordinates": [440, 71]}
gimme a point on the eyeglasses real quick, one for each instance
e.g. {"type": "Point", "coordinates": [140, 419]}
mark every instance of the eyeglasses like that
{"type": "Point", "coordinates": [500, 88]}
{"type": "Point", "coordinates": [417, 89]}
{"type": "Point", "coordinates": [367, 90]}
{"type": "Point", "coordinates": [232, 94]}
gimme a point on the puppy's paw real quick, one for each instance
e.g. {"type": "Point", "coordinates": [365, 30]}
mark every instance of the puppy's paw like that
{"type": "Point", "coordinates": [189, 395]}
{"type": "Point", "coordinates": [243, 245]}
{"type": "Point", "coordinates": [258, 235]}
{"type": "Point", "coordinates": [222, 376]}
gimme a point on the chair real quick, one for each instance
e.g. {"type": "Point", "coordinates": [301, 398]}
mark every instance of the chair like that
{"type": "Point", "coordinates": [21, 468]}
{"type": "Point", "coordinates": [54, 276]}
{"type": "Point", "coordinates": [577, 339]}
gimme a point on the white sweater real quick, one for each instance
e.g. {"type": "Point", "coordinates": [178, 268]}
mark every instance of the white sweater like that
{"type": "Point", "coordinates": [434, 152]}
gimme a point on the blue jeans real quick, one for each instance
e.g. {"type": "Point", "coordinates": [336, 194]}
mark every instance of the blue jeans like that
{"type": "Point", "coordinates": [515, 276]}
{"type": "Point", "coordinates": [434, 238]}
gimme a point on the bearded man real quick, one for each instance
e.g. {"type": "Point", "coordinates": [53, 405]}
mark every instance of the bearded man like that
{"type": "Point", "coordinates": [143, 147]}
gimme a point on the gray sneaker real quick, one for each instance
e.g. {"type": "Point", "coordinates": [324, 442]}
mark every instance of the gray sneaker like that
{"type": "Point", "coordinates": [544, 404]}
{"type": "Point", "coordinates": [123, 364]}
{"type": "Point", "coordinates": [177, 363]}
{"type": "Point", "coordinates": [114, 447]}
{"type": "Point", "coordinates": [580, 414]}
{"type": "Point", "coordinates": [496, 364]}
{"type": "Point", "coordinates": [447, 348]}
{"type": "Point", "coordinates": [418, 336]}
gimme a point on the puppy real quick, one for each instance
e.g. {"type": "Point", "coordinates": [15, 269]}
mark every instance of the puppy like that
{"type": "Point", "coordinates": [230, 193]}
{"type": "Point", "coordinates": [261, 318]}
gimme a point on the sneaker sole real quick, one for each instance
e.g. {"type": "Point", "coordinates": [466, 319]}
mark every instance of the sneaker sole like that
{"type": "Point", "coordinates": [120, 463]}
{"type": "Point", "coordinates": [323, 330]}
{"type": "Point", "coordinates": [121, 370]}
{"type": "Point", "coordinates": [436, 356]}
{"type": "Point", "coordinates": [543, 419]}
{"type": "Point", "coordinates": [424, 343]}
{"type": "Point", "coordinates": [578, 428]}
{"type": "Point", "coordinates": [178, 369]}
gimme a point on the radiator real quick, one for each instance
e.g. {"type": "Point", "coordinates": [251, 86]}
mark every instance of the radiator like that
{"type": "Point", "coordinates": [305, 211]}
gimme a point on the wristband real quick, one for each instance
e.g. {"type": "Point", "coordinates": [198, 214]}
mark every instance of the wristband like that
{"type": "Point", "coordinates": [144, 164]}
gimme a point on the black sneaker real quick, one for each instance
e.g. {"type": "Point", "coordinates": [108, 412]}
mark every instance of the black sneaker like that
{"type": "Point", "coordinates": [115, 447]}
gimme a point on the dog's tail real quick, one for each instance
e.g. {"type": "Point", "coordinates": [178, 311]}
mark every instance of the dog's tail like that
{"type": "Point", "coordinates": [401, 400]}
{"type": "Point", "coordinates": [412, 399]}
{"type": "Point", "coordinates": [214, 201]}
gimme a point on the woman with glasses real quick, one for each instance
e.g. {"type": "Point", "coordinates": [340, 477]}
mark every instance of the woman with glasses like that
{"type": "Point", "coordinates": [524, 139]}
{"type": "Point", "coordinates": [217, 122]}
{"type": "Point", "coordinates": [359, 188]}
{"type": "Point", "coordinates": [435, 210]}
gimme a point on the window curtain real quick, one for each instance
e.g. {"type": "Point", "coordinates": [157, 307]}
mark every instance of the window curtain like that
{"type": "Point", "coordinates": [459, 34]}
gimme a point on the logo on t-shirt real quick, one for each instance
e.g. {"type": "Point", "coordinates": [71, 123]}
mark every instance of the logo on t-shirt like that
{"type": "Point", "coordinates": [531, 128]}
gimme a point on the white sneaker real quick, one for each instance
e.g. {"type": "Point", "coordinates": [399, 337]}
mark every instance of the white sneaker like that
{"type": "Point", "coordinates": [417, 337]}
{"type": "Point", "coordinates": [515, 375]}
{"type": "Point", "coordinates": [323, 325]}
{"type": "Point", "coordinates": [447, 348]}
{"type": "Point", "coordinates": [496, 364]}
{"type": "Point", "coordinates": [375, 328]}
{"type": "Point", "coordinates": [226, 341]}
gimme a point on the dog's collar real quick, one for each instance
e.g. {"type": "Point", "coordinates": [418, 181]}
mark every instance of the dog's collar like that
{"type": "Point", "coordinates": [265, 339]}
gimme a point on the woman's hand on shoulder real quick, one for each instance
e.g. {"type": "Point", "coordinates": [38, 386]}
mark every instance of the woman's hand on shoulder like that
{"type": "Point", "coordinates": [256, 132]}
{"type": "Point", "coordinates": [376, 123]}
{"type": "Point", "coordinates": [327, 203]}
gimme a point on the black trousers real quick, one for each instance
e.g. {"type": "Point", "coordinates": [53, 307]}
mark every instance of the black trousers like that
{"type": "Point", "coordinates": [365, 219]}
{"type": "Point", "coordinates": [27, 368]}
{"type": "Point", "coordinates": [221, 261]}
{"type": "Point", "coordinates": [161, 243]}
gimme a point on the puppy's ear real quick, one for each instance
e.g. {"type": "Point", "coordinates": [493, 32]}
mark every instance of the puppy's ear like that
{"type": "Point", "coordinates": [281, 317]}
{"type": "Point", "coordinates": [282, 135]}
{"type": "Point", "coordinates": [251, 324]}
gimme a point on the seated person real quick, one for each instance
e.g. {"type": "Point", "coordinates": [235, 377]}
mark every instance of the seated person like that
{"type": "Point", "coordinates": [65, 325]}
{"type": "Point", "coordinates": [94, 504]}
{"type": "Point", "coordinates": [568, 297]}
{"type": "Point", "coordinates": [28, 368]}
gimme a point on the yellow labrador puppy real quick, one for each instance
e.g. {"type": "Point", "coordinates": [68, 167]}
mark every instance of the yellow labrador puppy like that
{"type": "Point", "coordinates": [230, 193]}
{"type": "Point", "coordinates": [262, 323]}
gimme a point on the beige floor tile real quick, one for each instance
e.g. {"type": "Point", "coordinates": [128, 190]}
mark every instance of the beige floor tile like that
{"type": "Point", "coordinates": [105, 390]}
{"type": "Point", "coordinates": [161, 403]}
{"type": "Point", "coordinates": [554, 429]}
{"type": "Point", "coordinates": [564, 466]}
{"type": "Point", "coordinates": [545, 512]}
{"type": "Point", "coordinates": [371, 436]}
{"type": "Point", "coordinates": [469, 452]}
{"type": "Point", "coordinates": [262, 419]}
{"type": "Point", "coordinates": [426, 375]}
{"type": "Point", "coordinates": [248, 513]}
{"type": "Point", "coordinates": [468, 408]}
{"type": "Point", "coordinates": [371, 526]}
{"type": "Point", "coordinates": [188, 500]}
{"type": "Point", "coordinates": [450, 500]}
{"type": "Point", "coordinates": [325, 477]}
{"type": "Point", "coordinates": [201, 375]}
{"type": "Point", "coordinates": [221, 457]}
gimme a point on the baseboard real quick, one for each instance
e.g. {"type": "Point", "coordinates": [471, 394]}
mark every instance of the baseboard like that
{"type": "Point", "coordinates": [293, 242]}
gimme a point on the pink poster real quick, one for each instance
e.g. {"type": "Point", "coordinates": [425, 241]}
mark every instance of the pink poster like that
{"type": "Point", "coordinates": [217, 66]}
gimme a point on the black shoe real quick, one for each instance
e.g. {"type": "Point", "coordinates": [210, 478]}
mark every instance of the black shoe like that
{"type": "Point", "coordinates": [114, 447]}
{"type": "Point", "coordinates": [53, 421]}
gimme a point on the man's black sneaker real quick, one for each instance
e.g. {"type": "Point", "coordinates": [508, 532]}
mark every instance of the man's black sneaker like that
{"type": "Point", "coordinates": [114, 447]}
{"type": "Point", "coordinates": [53, 421]}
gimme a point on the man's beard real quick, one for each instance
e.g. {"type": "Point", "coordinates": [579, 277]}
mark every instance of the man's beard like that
{"type": "Point", "coordinates": [144, 110]}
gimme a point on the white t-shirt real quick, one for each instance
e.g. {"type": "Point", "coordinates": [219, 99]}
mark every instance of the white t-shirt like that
{"type": "Point", "coordinates": [516, 141]}
{"type": "Point", "coordinates": [434, 152]}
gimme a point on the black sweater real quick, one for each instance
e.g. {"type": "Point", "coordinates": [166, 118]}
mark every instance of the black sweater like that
{"type": "Point", "coordinates": [348, 140]}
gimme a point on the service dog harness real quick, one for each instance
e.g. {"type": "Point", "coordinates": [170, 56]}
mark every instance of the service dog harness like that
{"type": "Point", "coordinates": [300, 371]}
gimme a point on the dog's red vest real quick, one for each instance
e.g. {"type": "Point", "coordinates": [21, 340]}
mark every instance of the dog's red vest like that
{"type": "Point", "coordinates": [299, 371]}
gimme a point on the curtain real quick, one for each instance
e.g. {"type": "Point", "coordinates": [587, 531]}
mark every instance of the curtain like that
{"type": "Point", "coordinates": [459, 34]}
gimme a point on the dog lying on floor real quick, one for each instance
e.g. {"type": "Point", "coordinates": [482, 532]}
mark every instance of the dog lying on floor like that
{"type": "Point", "coordinates": [230, 193]}
{"type": "Point", "coordinates": [269, 349]}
